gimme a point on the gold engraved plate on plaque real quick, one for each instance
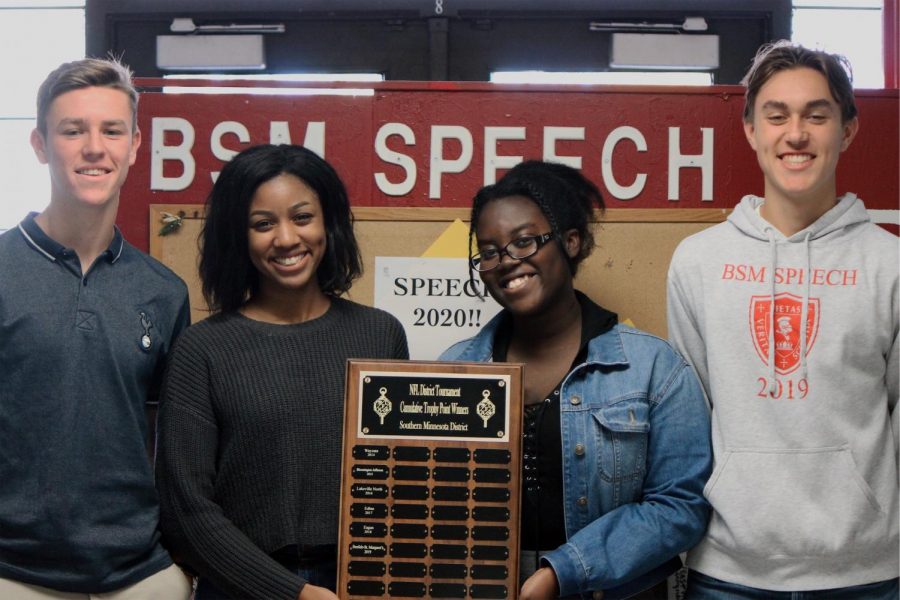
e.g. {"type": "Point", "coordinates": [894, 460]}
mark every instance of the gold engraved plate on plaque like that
{"type": "Point", "coordinates": [431, 480]}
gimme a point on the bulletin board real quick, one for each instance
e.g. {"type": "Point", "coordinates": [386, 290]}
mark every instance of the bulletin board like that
{"type": "Point", "coordinates": [626, 272]}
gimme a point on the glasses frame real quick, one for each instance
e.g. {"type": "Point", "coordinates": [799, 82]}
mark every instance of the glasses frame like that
{"type": "Point", "coordinates": [540, 240]}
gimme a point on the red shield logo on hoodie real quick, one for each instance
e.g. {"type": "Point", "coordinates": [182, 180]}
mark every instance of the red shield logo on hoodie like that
{"type": "Point", "coordinates": [788, 310]}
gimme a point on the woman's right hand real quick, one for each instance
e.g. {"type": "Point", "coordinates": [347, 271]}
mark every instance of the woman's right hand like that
{"type": "Point", "coordinates": [542, 585]}
{"type": "Point", "coordinates": [314, 592]}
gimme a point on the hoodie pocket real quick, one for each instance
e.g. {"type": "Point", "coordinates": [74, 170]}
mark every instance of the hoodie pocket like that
{"type": "Point", "coordinates": [794, 503]}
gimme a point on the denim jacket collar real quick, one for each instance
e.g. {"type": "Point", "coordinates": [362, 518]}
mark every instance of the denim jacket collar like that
{"type": "Point", "coordinates": [606, 349]}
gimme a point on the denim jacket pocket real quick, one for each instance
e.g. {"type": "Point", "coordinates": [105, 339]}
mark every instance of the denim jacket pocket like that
{"type": "Point", "coordinates": [622, 434]}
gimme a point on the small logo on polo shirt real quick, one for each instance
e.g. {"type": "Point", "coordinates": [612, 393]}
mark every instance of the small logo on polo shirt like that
{"type": "Point", "coordinates": [146, 340]}
{"type": "Point", "coordinates": [86, 320]}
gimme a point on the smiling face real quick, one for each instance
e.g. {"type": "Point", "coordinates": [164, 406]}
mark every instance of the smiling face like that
{"type": "Point", "coordinates": [797, 133]}
{"type": "Point", "coordinates": [286, 236]}
{"type": "Point", "coordinates": [89, 146]}
{"type": "Point", "coordinates": [531, 286]}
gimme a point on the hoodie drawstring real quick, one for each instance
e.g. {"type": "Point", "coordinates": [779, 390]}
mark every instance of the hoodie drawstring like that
{"type": "Point", "coordinates": [774, 256]}
{"type": "Point", "coordinates": [804, 311]}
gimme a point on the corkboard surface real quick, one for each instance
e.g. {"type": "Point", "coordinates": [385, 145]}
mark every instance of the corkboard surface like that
{"type": "Point", "coordinates": [626, 272]}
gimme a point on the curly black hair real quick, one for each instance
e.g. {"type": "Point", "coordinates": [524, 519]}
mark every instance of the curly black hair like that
{"type": "Point", "coordinates": [565, 196]}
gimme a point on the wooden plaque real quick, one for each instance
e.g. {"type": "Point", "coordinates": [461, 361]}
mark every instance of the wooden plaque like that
{"type": "Point", "coordinates": [431, 480]}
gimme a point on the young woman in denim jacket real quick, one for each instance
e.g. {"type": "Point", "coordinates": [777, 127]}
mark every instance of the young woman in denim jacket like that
{"type": "Point", "coordinates": [616, 443]}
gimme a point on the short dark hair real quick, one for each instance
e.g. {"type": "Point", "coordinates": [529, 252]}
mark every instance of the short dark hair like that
{"type": "Point", "coordinates": [228, 276]}
{"type": "Point", "coordinates": [782, 55]}
{"type": "Point", "coordinates": [84, 73]}
{"type": "Point", "coordinates": [565, 196]}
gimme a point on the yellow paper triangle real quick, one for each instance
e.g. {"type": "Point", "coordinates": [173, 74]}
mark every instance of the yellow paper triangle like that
{"type": "Point", "coordinates": [452, 243]}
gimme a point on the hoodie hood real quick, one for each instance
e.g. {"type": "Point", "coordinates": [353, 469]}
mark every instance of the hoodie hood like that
{"type": "Point", "coordinates": [848, 211]}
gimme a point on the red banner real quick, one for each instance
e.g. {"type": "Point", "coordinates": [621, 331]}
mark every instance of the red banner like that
{"type": "Point", "coordinates": [434, 145]}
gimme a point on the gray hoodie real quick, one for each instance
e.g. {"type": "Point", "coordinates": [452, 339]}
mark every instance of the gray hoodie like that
{"type": "Point", "coordinates": [805, 483]}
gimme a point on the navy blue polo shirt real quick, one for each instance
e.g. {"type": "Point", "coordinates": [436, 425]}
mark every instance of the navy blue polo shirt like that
{"type": "Point", "coordinates": [80, 355]}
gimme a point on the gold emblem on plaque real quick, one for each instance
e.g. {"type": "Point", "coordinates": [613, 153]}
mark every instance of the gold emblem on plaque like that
{"type": "Point", "coordinates": [486, 408]}
{"type": "Point", "coordinates": [382, 405]}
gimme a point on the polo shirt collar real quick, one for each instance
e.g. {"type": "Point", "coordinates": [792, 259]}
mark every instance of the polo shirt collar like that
{"type": "Point", "coordinates": [54, 251]}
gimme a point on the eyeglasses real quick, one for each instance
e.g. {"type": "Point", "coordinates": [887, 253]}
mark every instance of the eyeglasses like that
{"type": "Point", "coordinates": [518, 249]}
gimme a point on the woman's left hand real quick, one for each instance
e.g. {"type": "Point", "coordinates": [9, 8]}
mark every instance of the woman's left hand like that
{"type": "Point", "coordinates": [542, 585]}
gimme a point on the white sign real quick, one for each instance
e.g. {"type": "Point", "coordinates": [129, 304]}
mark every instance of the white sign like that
{"type": "Point", "coordinates": [434, 299]}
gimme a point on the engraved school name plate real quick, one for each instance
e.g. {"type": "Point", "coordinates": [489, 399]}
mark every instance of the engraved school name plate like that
{"type": "Point", "coordinates": [431, 480]}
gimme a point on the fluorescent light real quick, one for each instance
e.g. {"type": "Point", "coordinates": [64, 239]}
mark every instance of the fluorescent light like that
{"type": "Point", "coordinates": [689, 24]}
{"type": "Point", "coordinates": [841, 4]}
{"type": "Point", "coordinates": [363, 77]}
{"type": "Point", "coordinates": [206, 52]}
{"type": "Point", "coordinates": [266, 91]}
{"type": "Point", "coordinates": [603, 77]}
{"type": "Point", "coordinates": [663, 51]}
{"type": "Point", "coordinates": [187, 25]}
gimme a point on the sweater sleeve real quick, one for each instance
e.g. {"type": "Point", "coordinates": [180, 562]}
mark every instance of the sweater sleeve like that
{"type": "Point", "coordinates": [400, 348]}
{"type": "Point", "coordinates": [194, 527]}
{"type": "Point", "coordinates": [684, 323]}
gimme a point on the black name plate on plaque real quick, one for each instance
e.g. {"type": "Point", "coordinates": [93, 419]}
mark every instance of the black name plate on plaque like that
{"type": "Point", "coordinates": [434, 406]}
{"type": "Point", "coordinates": [430, 489]}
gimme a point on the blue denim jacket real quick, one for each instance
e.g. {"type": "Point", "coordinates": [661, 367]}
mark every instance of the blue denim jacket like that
{"type": "Point", "coordinates": [636, 455]}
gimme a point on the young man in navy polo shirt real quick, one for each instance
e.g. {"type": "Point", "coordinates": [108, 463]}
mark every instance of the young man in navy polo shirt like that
{"type": "Point", "coordinates": [86, 321]}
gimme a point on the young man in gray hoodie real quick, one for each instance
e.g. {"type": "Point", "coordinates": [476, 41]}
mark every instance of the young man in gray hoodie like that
{"type": "Point", "coordinates": [789, 314]}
